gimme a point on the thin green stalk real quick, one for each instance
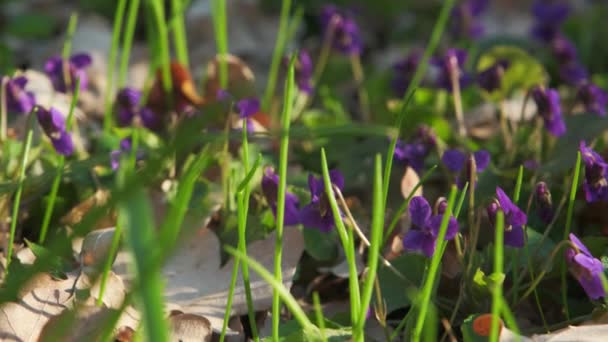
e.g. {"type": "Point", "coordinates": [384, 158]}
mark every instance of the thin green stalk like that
{"type": "Point", "coordinates": [67, 49]}
{"type": "Point", "coordinates": [242, 211]}
{"type": "Point", "coordinates": [463, 195]}
{"type": "Point", "coordinates": [510, 320]}
{"type": "Point", "coordinates": [569, 214]}
{"type": "Point", "coordinates": [67, 45]}
{"type": "Point", "coordinates": [118, 19]}
{"type": "Point", "coordinates": [277, 54]}
{"type": "Point", "coordinates": [3, 121]}
{"type": "Point", "coordinates": [359, 76]}
{"type": "Point", "coordinates": [162, 39]}
{"type": "Point", "coordinates": [17, 201]}
{"type": "Point", "coordinates": [127, 42]}
{"type": "Point", "coordinates": [497, 299]}
{"type": "Point", "coordinates": [135, 213]}
{"type": "Point", "coordinates": [405, 203]}
{"type": "Point", "coordinates": [283, 155]}
{"type": "Point", "coordinates": [48, 212]}
{"type": "Point", "coordinates": [291, 303]}
{"type": "Point", "coordinates": [346, 239]}
{"type": "Point", "coordinates": [221, 38]}
{"type": "Point", "coordinates": [438, 29]}
{"type": "Point", "coordinates": [319, 315]}
{"type": "Point", "coordinates": [515, 252]}
{"type": "Point", "coordinates": [228, 309]}
{"type": "Point", "coordinates": [424, 299]}
{"type": "Point", "coordinates": [374, 247]}
{"type": "Point", "coordinates": [107, 266]}
{"type": "Point", "coordinates": [179, 33]}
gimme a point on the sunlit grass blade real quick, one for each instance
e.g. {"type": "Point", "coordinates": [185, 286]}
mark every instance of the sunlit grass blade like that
{"type": "Point", "coordinates": [424, 297]}
{"type": "Point", "coordinates": [161, 38]}
{"type": "Point", "coordinates": [438, 29]}
{"type": "Point", "coordinates": [242, 212]}
{"type": "Point", "coordinates": [220, 28]}
{"type": "Point", "coordinates": [135, 214]}
{"type": "Point", "coordinates": [497, 300]}
{"type": "Point", "coordinates": [515, 252]}
{"type": "Point", "coordinates": [286, 297]}
{"type": "Point", "coordinates": [277, 54]}
{"type": "Point", "coordinates": [17, 200]}
{"type": "Point", "coordinates": [374, 248]}
{"type": "Point", "coordinates": [288, 99]}
{"type": "Point", "coordinates": [118, 20]}
{"type": "Point", "coordinates": [319, 315]}
{"type": "Point", "coordinates": [3, 109]}
{"type": "Point", "coordinates": [67, 45]}
{"type": "Point", "coordinates": [48, 212]}
{"type": "Point", "coordinates": [127, 42]}
{"type": "Point", "coordinates": [569, 213]}
{"type": "Point", "coordinates": [179, 32]}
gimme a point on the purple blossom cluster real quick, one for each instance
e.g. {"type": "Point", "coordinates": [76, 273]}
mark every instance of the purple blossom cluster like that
{"type": "Point", "coordinates": [585, 268]}
{"type": "Point", "coordinates": [340, 26]}
{"type": "Point", "coordinates": [316, 214]}
{"type": "Point", "coordinates": [466, 166]}
{"type": "Point", "coordinates": [465, 20]}
{"type": "Point", "coordinates": [414, 153]}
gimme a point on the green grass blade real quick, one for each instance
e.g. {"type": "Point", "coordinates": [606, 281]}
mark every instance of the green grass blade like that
{"type": "Point", "coordinates": [135, 213]}
{"type": "Point", "coordinates": [569, 214]}
{"type": "Point", "coordinates": [520, 178]}
{"type": "Point", "coordinates": [179, 33]}
{"type": "Point", "coordinates": [17, 200]}
{"type": "Point", "coordinates": [118, 20]}
{"type": "Point", "coordinates": [127, 42]}
{"type": "Point", "coordinates": [67, 45]}
{"type": "Point", "coordinates": [162, 43]}
{"type": "Point", "coordinates": [277, 54]}
{"type": "Point", "coordinates": [286, 297]}
{"type": "Point", "coordinates": [427, 289]}
{"type": "Point", "coordinates": [288, 99]}
{"type": "Point", "coordinates": [221, 38]}
{"type": "Point", "coordinates": [497, 299]}
{"type": "Point", "coordinates": [346, 238]}
{"type": "Point", "coordinates": [48, 212]}
{"type": "Point", "coordinates": [374, 248]}
{"type": "Point", "coordinates": [319, 315]}
{"type": "Point", "coordinates": [438, 29]}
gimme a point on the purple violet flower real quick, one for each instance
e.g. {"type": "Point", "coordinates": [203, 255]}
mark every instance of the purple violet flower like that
{"type": "Point", "coordinates": [270, 188]}
{"type": "Point", "coordinates": [343, 29]}
{"type": "Point", "coordinates": [318, 213]}
{"type": "Point", "coordinates": [593, 98]}
{"type": "Point", "coordinates": [465, 18]}
{"type": "Point", "coordinates": [563, 49]}
{"type": "Point", "coordinates": [246, 109]}
{"type": "Point", "coordinates": [549, 109]}
{"type": "Point", "coordinates": [128, 108]}
{"type": "Point", "coordinates": [18, 100]}
{"type": "Point", "coordinates": [548, 16]}
{"type": "Point", "coordinates": [490, 79]}
{"type": "Point", "coordinates": [573, 73]}
{"type": "Point", "coordinates": [403, 72]}
{"type": "Point", "coordinates": [461, 164]}
{"type": "Point", "coordinates": [76, 69]}
{"type": "Point", "coordinates": [115, 155]}
{"type": "Point", "coordinates": [414, 153]}
{"type": "Point", "coordinates": [515, 218]}
{"type": "Point", "coordinates": [53, 125]}
{"type": "Point", "coordinates": [303, 71]}
{"type": "Point", "coordinates": [596, 175]}
{"type": "Point", "coordinates": [422, 236]}
{"type": "Point", "coordinates": [451, 63]}
{"type": "Point", "coordinates": [585, 268]}
{"type": "Point", "coordinates": [544, 204]}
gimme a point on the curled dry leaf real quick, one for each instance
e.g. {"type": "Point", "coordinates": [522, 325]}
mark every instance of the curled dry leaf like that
{"type": "Point", "coordinates": [188, 327]}
{"type": "Point", "coordinates": [95, 248]}
{"type": "Point", "coordinates": [42, 298]}
{"type": "Point", "coordinates": [409, 181]}
{"type": "Point", "coordinates": [240, 77]}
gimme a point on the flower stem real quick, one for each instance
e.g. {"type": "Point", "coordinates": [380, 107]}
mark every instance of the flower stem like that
{"type": "Point", "coordinates": [17, 201]}
{"type": "Point", "coordinates": [279, 47]}
{"type": "Point", "coordinates": [358, 75]}
{"type": "Point", "coordinates": [3, 115]}
{"type": "Point", "coordinates": [498, 267]}
{"type": "Point", "coordinates": [283, 156]}
{"type": "Point", "coordinates": [118, 19]}
{"type": "Point", "coordinates": [457, 99]}
{"type": "Point", "coordinates": [221, 38]}
{"type": "Point", "coordinates": [127, 42]}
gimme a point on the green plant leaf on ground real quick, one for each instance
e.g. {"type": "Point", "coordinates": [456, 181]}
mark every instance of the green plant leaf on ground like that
{"type": "Point", "coordinates": [393, 287]}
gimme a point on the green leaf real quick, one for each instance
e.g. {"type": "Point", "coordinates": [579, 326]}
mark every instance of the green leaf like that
{"type": "Point", "coordinates": [58, 264]}
{"type": "Point", "coordinates": [321, 246]}
{"type": "Point", "coordinates": [524, 71]}
{"type": "Point", "coordinates": [393, 287]}
{"type": "Point", "coordinates": [578, 127]}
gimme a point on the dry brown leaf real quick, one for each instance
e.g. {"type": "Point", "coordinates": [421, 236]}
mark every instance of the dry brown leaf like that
{"type": "Point", "coordinates": [42, 298]}
{"type": "Point", "coordinates": [409, 181]}
{"type": "Point", "coordinates": [240, 76]}
{"type": "Point", "coordinates": [188, 327]}
{"type": "Point", "coordinates": [99, 198]}
{"type": "Point", "coordinates": [95, 249]}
